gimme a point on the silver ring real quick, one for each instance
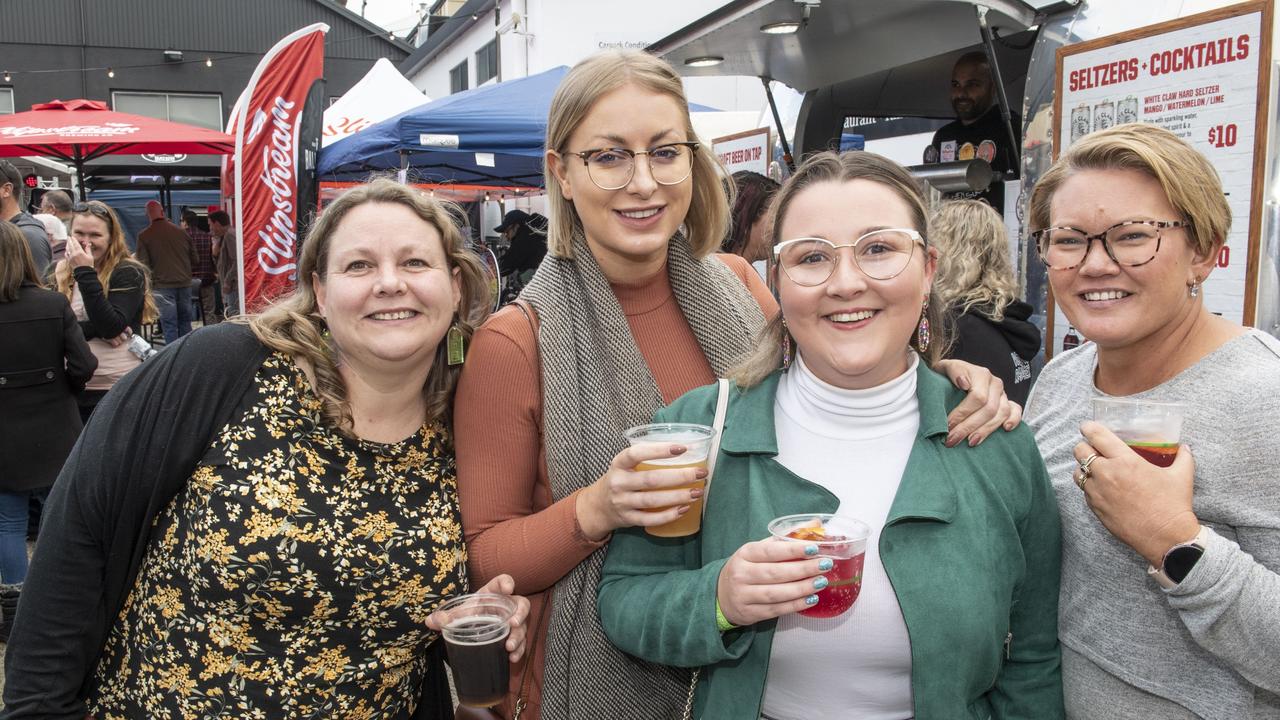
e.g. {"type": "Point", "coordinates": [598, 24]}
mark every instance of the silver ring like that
{"type": "Point", "coordinates": [1084, 467]}
{"type": "Point", "coordinates": [1080, 479]}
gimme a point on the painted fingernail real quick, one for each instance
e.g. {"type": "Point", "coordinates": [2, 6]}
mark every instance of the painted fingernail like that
{"type": "Point", "coordinates": [825, 564]}
{"type": "Point", "coordinates": [810, 550]}
{"type": "Point", "coordinates": [811, 600]}
{"type": "Point", "coordinates": [695, 494]}
{"type": "Point", "coordinates": [973, 441]}
{"type": "Point", "coordinates": [820, 582]}
{"type": "Point", "coordinates": [700, 474]}
{"type": "Point", "coordinates": [678, 449]}
{"type": "Point", "coordinates": [683, 509]}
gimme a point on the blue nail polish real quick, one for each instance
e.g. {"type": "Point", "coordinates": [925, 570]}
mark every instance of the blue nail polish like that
{"type": "Point", "coordinates": [811, 600]}
{"type": "Point", "coordinates": [820, 582]}
{"type": "Point", "coordinates": [810, 550]}
{"type": "Point", "coordinates": [825, 564]}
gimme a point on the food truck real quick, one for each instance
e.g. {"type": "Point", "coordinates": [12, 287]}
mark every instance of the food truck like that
{"type": "Point", "coordinates": [1200, 68]}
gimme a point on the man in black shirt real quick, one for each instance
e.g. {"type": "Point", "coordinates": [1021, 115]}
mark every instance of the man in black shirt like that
{"type": "Point", "coordinates": [978, 130]}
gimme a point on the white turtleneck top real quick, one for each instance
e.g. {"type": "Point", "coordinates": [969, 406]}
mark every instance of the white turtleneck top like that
{"type": "Point", "coordinates": [854, 443]}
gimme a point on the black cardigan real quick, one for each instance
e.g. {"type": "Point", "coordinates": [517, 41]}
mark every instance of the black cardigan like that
{"type": "Point", "coordinates": [137, 452]}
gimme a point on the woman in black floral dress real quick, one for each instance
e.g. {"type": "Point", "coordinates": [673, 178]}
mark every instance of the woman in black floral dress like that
{"type": "Point", "coordinates": [265, 517]}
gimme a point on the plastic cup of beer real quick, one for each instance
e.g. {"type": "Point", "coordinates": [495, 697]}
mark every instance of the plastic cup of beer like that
{"type": "Point", "coordinates": [475, 635]}
{"type": "Point", "coordinates": [697, 438]}
{"type": "Point", "coordinates": [1151, 428]}
{"type": "Point", "coordinates": [844, 541]}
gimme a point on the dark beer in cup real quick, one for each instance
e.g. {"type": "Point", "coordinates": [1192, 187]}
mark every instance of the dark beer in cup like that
{"type": "Point", "coordinates": [475, 638]}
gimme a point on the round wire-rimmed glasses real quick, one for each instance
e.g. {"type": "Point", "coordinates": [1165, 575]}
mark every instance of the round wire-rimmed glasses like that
{"type": "Point", "coordinates": [1130, 243]}
{"type": "Point", "coordinates": [613, 168]}
{"type": "Point", "coordinates": [880, 255]}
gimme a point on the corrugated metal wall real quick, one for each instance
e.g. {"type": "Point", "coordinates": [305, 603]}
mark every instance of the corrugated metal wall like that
{"type": "Point", "coordinates": [213, 26]}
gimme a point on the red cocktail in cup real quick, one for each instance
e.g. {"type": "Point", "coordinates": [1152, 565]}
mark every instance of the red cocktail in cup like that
{"type": "Point", "coordinates": [1152, 429]}
{"type": "Point", "coordinates": [844, 541]}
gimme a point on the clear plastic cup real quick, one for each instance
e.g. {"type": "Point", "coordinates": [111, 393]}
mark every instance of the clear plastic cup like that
{"type": "Point", "coordinates": [1152, 429]}
{"type": "Point", "coordinates": [475, 634]}
{"type": "Point", "coordinates": [844, 540]}
{"type": "Point", "coordinates": [697, 438]}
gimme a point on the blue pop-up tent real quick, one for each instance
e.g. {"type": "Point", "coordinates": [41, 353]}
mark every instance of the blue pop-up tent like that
{"type": "Point", "coordinates": [491, 135]}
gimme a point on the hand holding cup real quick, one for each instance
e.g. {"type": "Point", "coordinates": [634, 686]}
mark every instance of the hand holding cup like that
{"type": "Point", "coordinates": [769, 578]}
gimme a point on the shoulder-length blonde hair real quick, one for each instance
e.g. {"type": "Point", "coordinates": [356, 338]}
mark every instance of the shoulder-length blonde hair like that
{"type": "Point", "coordinates": [839, 167]}
{"type": "Point", "coordinates": [1188, 178]}
{"type": "Point", "coordinates": [115, 255]}
{"type": "Point", "coordinates": [292, 325]}
{"type": "Point", "coordinates": [974, 269]}
{"type": "Point", "coordinates": [588, 81]}
{"type": "Point", "coordinates": [17, 267]}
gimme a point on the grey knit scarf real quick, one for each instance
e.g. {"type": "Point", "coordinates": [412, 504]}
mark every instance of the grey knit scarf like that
{"type": "Point", "coordinates": [596, 385]}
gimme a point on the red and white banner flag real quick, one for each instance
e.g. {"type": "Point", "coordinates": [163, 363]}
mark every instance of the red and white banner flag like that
{"type": "Point", "coordinates": [266, 167]}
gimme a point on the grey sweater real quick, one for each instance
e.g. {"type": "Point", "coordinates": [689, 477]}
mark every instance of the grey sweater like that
{"type": "Point", "coordinates": [1209, 647]}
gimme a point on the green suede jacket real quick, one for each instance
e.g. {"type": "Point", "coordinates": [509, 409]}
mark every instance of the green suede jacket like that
{"type": "Point", "coordinates": [971, 545]}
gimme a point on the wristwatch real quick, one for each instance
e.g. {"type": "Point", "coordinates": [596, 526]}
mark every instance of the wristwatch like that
{"type": "Point", "coordinates": [1179, 560]}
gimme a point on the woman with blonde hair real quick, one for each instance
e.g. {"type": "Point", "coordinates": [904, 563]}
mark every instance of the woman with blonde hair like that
{"type": "Point", "coordinates": [630, 309]}
{"type": "Point", "coordinates": [265, 517]}
{"type": "Point", "coordinates": [109, 291]}
{"type": "Point", "coordinates": [1170, 604]}
{"type": "Point", "coordinates": [977, 287]}
{"type": "Point", "coordinates": [956, 615]}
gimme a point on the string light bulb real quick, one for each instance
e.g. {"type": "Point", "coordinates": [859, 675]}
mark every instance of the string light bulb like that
{"type": "Point", "coordinates": [111, 73]}
{"type": "Point", "coordinates": [7, 78]}
{"type": "Point", "coordinates": [208, 62]}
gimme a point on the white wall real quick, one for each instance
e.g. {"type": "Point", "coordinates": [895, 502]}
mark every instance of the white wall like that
{"type": "Point", "coordinates": [562, 32]}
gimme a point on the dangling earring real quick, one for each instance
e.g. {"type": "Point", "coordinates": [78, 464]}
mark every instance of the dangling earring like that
{"type": "Point", "coordinates": [1194, 289]}
{"type": "Point", "coordinates": [786, 346]}
{"type": "Point", "coordinates": [455, 351]}
{"type": "Point", "coordinates": [922, 331]}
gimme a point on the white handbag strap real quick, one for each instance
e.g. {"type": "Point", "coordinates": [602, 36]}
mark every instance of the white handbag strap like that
{"type": "Point", "coordinates": [722, 404]}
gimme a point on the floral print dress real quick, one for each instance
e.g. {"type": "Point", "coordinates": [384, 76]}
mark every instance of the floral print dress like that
{"type": "Point", "coordinates": [293, 576]}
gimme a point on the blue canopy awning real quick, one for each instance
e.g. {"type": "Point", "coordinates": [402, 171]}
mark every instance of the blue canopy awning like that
{"type": "Point", "coordinates": [490, 135]}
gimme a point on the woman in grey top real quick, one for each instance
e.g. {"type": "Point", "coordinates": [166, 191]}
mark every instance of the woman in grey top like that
{"type": "Point", "coordinates": [1170, 600]}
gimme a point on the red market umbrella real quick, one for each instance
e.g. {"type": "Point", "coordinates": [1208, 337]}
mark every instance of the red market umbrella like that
{"type": "Point", "coordinates": [77, 131]}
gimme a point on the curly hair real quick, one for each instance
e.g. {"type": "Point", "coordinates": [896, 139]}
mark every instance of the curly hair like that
{"type": "Point", "coordinates": [292, 324]}
{"type": "Point", "coordinates": [974, 271]}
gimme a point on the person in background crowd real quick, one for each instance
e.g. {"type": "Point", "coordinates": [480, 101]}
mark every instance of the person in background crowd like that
{"type": "Point", "coordinates": [168, 251]}
{"type": "Point", "coordinates": [750, 212]}
{"type": "Point", "coordinates": [58, 203]}
{"type": "Point", "coordinates": [57, 235]}
{"type": "Point", "coordinates": [264, 518]}
{"type": "Point", "coordinates": [527, 238]}
{"type": "Point", "coordinates": [1170, 604]}
{"type": "Point", "coordinates": [110, 293]}
{"type": "Point", "coordinates": [197, 228]}
{"type": "Point", "coordinates": [630, 310]}
{"type": "Point", "coordinates": [977, 288]}
{"type": "Point", "coordinates": [226, 249]}
{"type": "Point", "coordinates": [978, 130]}
{"type": "Point", "coordinates": [11, 210]}
{"type": "Point", "coordinates": [849, 233]}
{"type": "Point", "coordinates": [44, 362]}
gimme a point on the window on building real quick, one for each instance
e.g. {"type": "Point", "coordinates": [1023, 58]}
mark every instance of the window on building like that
{"type": "Point", "coordinates": [487, 62]}
{"type": "Point", "coordinates": [458, 78]}
{"type": "Point", "coordinates": [6, 101]}
{"type": "Point", "coordinates": [201, 110]}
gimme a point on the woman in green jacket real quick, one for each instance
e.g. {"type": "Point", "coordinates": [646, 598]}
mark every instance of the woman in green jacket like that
{"type": "Point", "coordinates": [957, 616]}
